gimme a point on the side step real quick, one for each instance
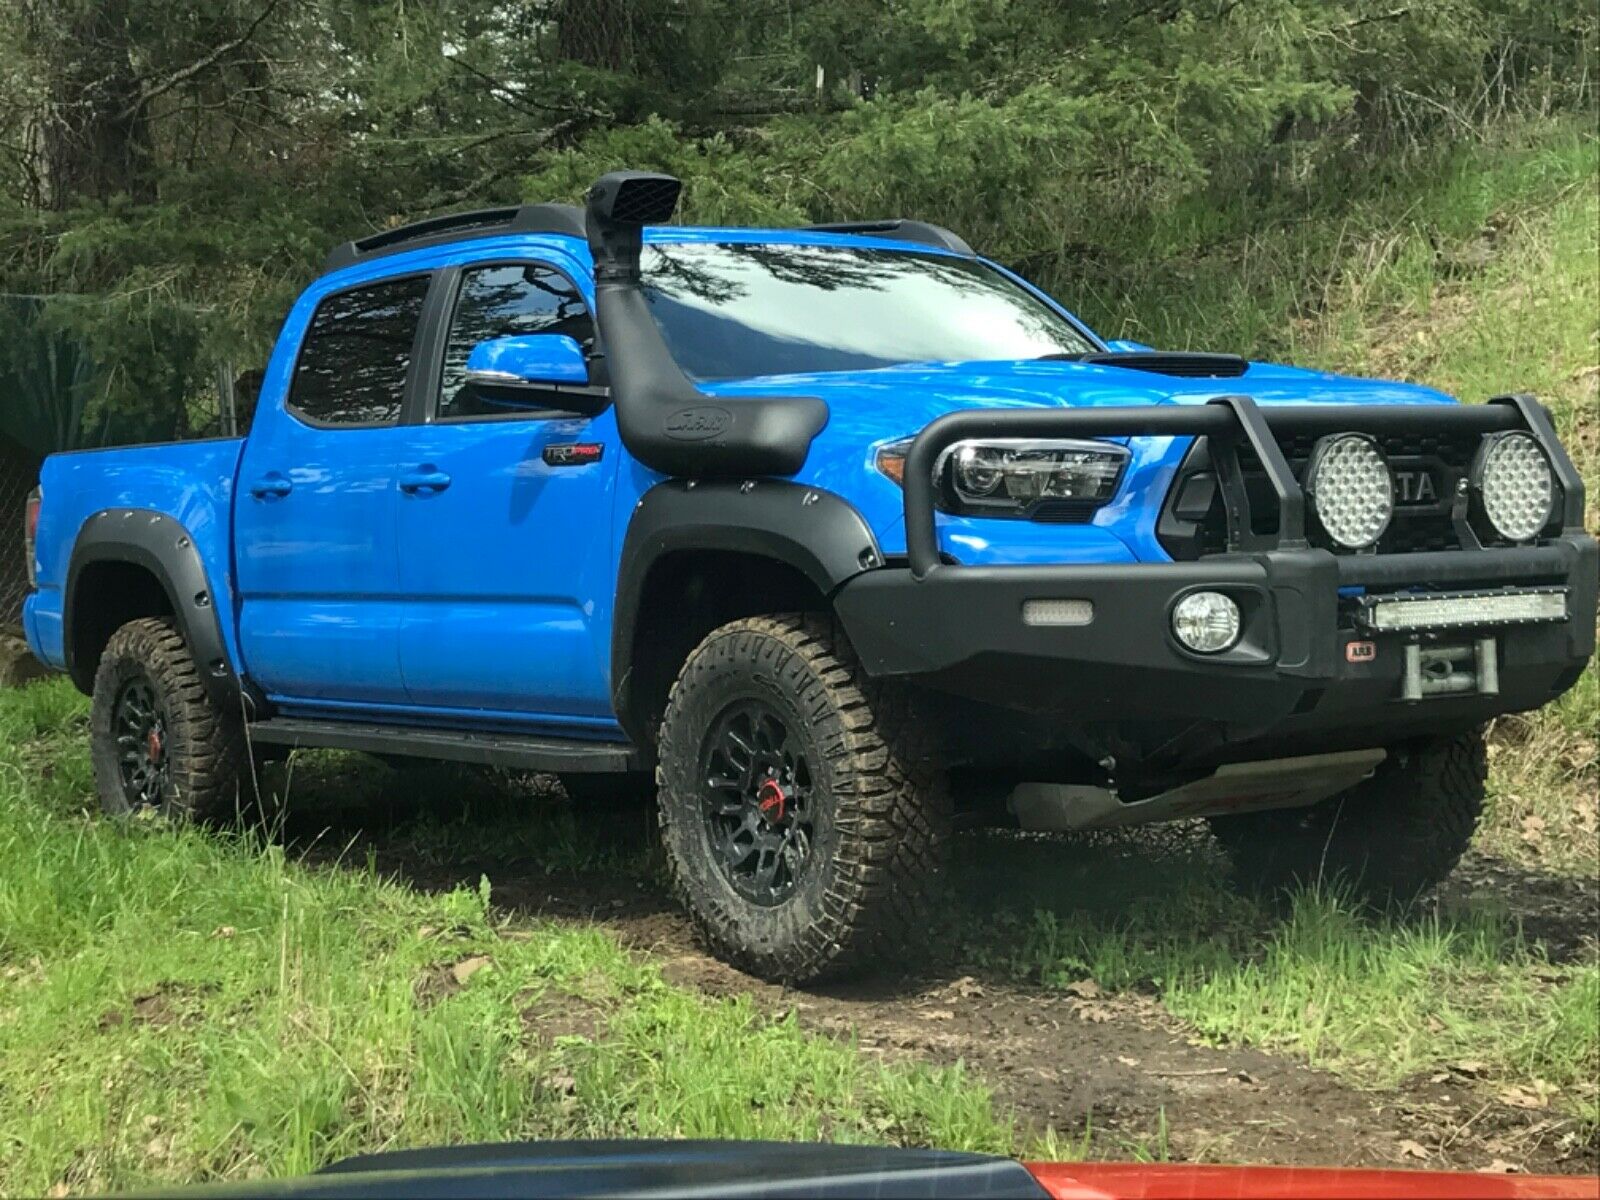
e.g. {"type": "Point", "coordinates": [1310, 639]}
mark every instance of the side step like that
{"type": "Point", "coordinates": [557, 755]}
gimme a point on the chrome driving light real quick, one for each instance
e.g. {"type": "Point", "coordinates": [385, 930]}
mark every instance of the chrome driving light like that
{"type": "Point", "coordinates": [1206, 622]}
{"type": "Point", "coordinates": [1516, 485]}
{"type": "Point", "coordinates": [1351, 489]}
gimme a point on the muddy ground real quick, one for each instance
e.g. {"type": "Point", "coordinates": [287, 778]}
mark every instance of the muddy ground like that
{"type": "Point", "coordinates": [1054, 1058]}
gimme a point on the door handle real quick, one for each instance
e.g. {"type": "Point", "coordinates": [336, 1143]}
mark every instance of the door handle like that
{"type": "Point", "coordinates": [424, 481]}
{"type": "Point", "coordinates": [270, 486]}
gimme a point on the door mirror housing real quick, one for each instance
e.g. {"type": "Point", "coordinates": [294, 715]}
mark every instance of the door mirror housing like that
{"type": "Point", "coordinates": [530, 360]}
{"type": "Point", "coordinates": [1125, 346]}
{"type": "Point", "coordinates": [533, 370]}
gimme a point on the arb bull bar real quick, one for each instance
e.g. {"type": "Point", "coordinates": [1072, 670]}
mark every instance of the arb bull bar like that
{"type": "Point", "coordinates": [965, 628]}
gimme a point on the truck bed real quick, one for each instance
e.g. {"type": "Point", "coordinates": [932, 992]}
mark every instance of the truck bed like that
{"type": "Point", "coordinates": [191, 482]}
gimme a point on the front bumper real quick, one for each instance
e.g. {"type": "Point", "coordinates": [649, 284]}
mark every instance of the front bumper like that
{"type": "Point", "coordinates": [1293, 683]}
{"type": "Point", "coordinates": [962, 630]}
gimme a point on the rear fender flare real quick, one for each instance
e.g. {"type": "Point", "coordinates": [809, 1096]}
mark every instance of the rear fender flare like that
{"type": "Point", "coordinates": [162, 546]}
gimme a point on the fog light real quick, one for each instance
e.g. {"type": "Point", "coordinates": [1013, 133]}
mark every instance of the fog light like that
{"type": "Point", "coordinates": [1206, 622]}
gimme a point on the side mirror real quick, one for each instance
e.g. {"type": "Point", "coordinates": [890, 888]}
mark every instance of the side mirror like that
{"type": "Point", "coordinates": [530, 361]}
{"type": "Point", "coordinates": [1124, 346]}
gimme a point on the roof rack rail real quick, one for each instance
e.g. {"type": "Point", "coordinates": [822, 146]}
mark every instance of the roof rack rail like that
{"type": "Point", "coordinates": [454, 227]}
{"type": "Point", "coordinates": [901, 230]}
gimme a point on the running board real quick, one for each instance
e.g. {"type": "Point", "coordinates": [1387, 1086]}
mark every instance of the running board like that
{"type": "Point", "coordinates": [571, 756]}
{"type": "Point", "coordinates": [1235, 788]}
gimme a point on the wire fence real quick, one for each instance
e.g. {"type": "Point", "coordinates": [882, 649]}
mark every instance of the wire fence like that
{"type": "Point", "coordinates": [18, 474]}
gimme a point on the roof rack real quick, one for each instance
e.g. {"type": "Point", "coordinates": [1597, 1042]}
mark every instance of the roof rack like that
{"type": "Point", "coordinates": [901, 230]}
{"type": "Point", "coordinates": [454, 227]}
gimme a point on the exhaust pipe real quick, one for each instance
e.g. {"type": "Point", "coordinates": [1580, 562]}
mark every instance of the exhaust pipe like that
{"type": "Point", "coordinates": [666, 422]}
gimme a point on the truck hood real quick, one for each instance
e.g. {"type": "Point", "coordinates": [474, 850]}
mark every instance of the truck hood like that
{"type": "Point", "coordinates": [897, 401]}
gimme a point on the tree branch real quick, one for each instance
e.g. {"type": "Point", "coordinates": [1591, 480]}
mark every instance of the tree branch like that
{"type": "Point", "coordinates": [149, 92]}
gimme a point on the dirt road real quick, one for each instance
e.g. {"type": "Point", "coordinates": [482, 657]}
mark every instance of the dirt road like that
{"type": "Point", "coordinates": [1063, 1058]}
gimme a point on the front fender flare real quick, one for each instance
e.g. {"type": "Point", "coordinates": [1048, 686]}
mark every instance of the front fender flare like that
{"type": "Point", "coordinates": [815, 531]}
{"type": "Point", "coordinates": [161, 545]}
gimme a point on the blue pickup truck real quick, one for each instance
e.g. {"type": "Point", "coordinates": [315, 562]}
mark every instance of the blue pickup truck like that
{"type": "Point", "coordinates": [829, 540]}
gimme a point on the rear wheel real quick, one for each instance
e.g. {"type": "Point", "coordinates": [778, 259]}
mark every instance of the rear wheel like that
{"type": "Point", "coordinates": [804, 829]}
{"type": "Point", "coordinates": [156, 740]}
{"type": "Point", "coordinates": [1391, 837]}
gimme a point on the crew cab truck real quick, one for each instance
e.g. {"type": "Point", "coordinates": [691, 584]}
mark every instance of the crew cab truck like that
{"type": "Point", "coordinates": [831, 537]}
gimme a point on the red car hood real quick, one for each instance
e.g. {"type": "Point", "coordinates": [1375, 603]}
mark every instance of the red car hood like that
{"type": "Point", "coordinates": [1157, 1181]}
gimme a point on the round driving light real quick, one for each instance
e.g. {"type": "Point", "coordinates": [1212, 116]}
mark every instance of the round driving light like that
{"type": "Point", "coordinates": [1351, 489]}
{"type": "Point", "coordinates": [978, 470]}
{"type": "Point", "coordinates": [1514, 479]}
{"type": "Point", "coordinates": [1206, 622]}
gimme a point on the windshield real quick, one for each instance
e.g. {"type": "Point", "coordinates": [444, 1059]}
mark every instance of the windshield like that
{"type": "Point", "coordinates": [734, 310]}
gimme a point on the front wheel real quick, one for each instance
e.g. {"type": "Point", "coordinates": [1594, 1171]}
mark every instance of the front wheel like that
{"type": "Point", "coordinates": [156, 740]}
{"type": "Point", "coordinates": [1391, 837]}
{"type": "Point", "coordinates": [804, 829]}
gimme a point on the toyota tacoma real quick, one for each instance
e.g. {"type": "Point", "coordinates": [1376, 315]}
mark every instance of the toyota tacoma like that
{"type": "Point", "coordinates": [828, 539]}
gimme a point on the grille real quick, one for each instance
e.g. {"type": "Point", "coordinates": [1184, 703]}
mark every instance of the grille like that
{"type": "Point", "coordinates": [1427, 468]}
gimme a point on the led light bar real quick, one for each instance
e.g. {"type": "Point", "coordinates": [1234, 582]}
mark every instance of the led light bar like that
{"type": "Point", "coordinates": [1453, 612]}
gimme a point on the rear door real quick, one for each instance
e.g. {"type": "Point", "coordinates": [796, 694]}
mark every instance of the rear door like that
{"type": "Point", "coordinates": [505, 560]}
{"type": "Point", "coordinates": [314, 523]}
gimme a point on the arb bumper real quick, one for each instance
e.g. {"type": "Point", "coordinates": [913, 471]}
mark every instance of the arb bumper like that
{"type": "Point", "coordinates": [1328, 642]}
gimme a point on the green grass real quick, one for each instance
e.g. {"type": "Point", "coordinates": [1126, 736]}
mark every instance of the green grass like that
{"type": "Point", "coordinates": [176, 1005]}
{"type": "Point", "coordinates": [1382, 999]}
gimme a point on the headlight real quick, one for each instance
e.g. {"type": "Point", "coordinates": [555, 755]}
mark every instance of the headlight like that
{"type": "Point", "coordinates": [1008, 477]}
{"type": "Point", "coordinates": [1513, 478]}
{"type": "Point", "coordinates": [1351, 489]}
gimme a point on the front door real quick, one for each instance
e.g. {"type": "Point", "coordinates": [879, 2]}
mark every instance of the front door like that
{"type": "Point", "coordinates": [314, 523]}
{"type": "Point", "coordinates": [505, 551]}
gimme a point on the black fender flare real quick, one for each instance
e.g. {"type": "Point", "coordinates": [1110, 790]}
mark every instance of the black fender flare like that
{"type": "Point", "coordinates": [816, 531]}
{"type": "Point", "coordinates": [162, 546]}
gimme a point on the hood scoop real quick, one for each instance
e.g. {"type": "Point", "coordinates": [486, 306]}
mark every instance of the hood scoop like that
{"type": "Point", "coordinates": [1181, 363]}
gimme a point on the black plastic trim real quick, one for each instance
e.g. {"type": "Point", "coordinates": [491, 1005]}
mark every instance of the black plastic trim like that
{"type": "Point", "coordinates": [162, 546]}
{"type": "Point", "coordinates": [563, 219]}
{"type": "Point", "coordinates": [900, 229]}
{"type": "Point", "coordinates": [817, 532]}
{"type": "Point", "coordinates": [524, 752]}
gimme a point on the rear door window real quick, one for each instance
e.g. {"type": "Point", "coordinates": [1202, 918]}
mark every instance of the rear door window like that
{"type": "Point", "coordinates": [357, 354]}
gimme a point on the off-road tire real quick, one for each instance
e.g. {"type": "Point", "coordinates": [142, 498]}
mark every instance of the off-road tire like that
{"type": "Point", "coordinates": [868, 887]}
{"type": "Point", "coordinates": [209, 776]}
{"type": "Point", "coordinates": [1390, 838]}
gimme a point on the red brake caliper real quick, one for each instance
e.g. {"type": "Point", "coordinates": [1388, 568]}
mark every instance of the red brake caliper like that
{"type": "Point", "coordinates": [152, 746]}
{"type": "Point", "coordinates": [771, 801]}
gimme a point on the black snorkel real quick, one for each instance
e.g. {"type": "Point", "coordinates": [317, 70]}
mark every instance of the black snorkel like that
{"type": "Point", "coordinates": [665, 421]}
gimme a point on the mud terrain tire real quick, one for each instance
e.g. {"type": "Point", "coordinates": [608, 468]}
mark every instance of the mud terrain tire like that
{"type": "Point", "coordinates": [863, 839]}
{"type": "Point", "coordinates": [1391, 837]}
{"type": "Point", "coordinates": [197, 766]}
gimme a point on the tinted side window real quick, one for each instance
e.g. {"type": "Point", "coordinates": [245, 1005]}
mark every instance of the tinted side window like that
{"type": "Point", "coordinates": [505, 301]}
{"type": "Point", "coordinates": [352, 368]}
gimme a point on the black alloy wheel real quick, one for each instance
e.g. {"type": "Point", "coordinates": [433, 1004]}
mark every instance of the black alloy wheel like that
{"type": "Point", "coordinates": [141, 732]}
{"type": "Point", "coordinates": [758, 812]}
